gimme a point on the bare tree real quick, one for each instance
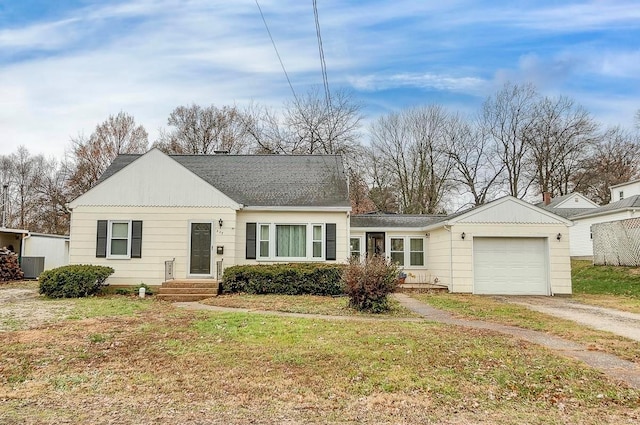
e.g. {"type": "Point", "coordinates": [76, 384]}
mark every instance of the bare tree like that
{"type": "Point", "coordinates": [615, 160]}
{"type": "Point", "coordinates": [507, 117]}
{"type": "Point", "coordinates": [410, 148]}
{"type": "Point", "coordinates": [197, 130]}
{"type": "Point", "coordinates": [475, 169]}
{"type": "Point", "coordinates": [24, 168]}
{"type": "Point", "coordinates": [91, 156]}
{"type": "Point", "coordinates": [317, 126]}
{"type": "Point", "coordinates": [52, 215]}
{"type": "Point", "coordinates": [560, 137]}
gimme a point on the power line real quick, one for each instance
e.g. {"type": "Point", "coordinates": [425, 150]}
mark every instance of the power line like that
{"type": "Point", "coordinates": [277, 53]}
{"type": "Point", "coordinates": [323, 65]}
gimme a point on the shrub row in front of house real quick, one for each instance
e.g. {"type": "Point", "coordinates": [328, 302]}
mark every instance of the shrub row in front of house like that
{"type": "Point", "coordinates": [73, 281]}
{"type": "Point", "coordinates": [287, 279]}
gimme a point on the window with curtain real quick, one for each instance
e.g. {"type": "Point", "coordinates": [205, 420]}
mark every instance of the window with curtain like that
{"type": "Point", "coordinates": [416, 252]}
{"type": "Point", "coordinates": [264, 240]}
{"type": "Point", "coordinates": [317, 241]}
{"type": "Point", "coordinates": [119, 239]}
{"type": "Point", "coordinates": [291, 240]}
{"type": "Point", "coordinates": [397, 250]}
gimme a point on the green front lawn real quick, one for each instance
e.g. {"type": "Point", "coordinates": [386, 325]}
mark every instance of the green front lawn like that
{"type": "Point", "coordinates": [159, 364]}
{"type": "Point", "coordinates": [605, 280]}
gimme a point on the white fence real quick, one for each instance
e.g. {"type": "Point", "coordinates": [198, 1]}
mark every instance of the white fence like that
{"type": "Point", "coordinates": [617, 243]}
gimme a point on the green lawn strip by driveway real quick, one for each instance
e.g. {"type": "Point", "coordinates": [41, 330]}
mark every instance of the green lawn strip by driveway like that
{"type": "Point", "coordinates": [606, 286]}
{"type": "Point", "coordinates": [489, 309]}
{"type": "Point", "coordinates": [305, 304]}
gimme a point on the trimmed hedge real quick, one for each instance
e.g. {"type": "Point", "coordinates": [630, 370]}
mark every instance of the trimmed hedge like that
{"type": "Point", "coordinates": [286, 279]}
{"type": "Point", "coordinates": [74, 281]}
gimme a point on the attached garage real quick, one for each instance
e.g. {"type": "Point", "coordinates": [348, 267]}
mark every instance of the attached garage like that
{"type": "Point", "coordinates": [505, 247]}
{"type": "Point", "coordinates": [510, 266]}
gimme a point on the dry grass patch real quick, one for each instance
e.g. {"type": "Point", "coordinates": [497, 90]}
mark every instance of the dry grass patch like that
{"type": "Point", "coordinates": [306, 304]}
{"type": "Point", "coordinates": [617, 302]}
{"type": "Point", "coordinates": [492, 310]}
{"type": "Point", "coordinates": [166, 366]}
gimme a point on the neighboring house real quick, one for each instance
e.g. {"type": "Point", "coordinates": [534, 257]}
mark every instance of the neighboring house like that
{"type": "Point", "coordinates": [624, 190]}
{"type": "Point", "coordinates": [629, 207]}
{"type": "Point", "coordinates": [507, 246]}
{"type": "Point", "coordinates": [208, 212]}
{"type": "Point", "coordinates": [570, 206]}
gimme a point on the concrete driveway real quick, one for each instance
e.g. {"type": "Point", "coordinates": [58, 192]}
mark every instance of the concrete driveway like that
{"type": "Point", "coordinates": [605, 319]}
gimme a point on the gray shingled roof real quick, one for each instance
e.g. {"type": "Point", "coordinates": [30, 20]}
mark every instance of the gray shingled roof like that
{"type": "Point", "coordinates": [568, 212]}
{"type": "Point", "coordinates": [266, 180]}
{"type": "Point", "coordinates": [394, 220]}
{"type": "Point", "coordinates": [621, 205]}
{"type": "Point", "coordinates": [554, 201]}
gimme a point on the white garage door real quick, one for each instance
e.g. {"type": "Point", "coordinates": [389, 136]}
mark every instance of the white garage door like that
{"type": "Point", "coordinates": [510, 266]}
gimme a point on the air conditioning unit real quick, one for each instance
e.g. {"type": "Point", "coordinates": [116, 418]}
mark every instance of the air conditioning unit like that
{"type": "Point", "coordinates": [32, 267]}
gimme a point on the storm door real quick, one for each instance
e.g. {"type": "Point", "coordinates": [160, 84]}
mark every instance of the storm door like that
{"type": "Point", "coordinates": [200, 256]}
{"type": "Point", "coordinates": [375, 243]}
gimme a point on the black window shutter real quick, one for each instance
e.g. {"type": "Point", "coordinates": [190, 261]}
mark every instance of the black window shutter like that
{"type": "Point", "coordinates": [136, 239]}
{"type": "Point", "coordinates": [330, 230]}
{"type": "Point", "coordinates": [251, 241]}
{"type": "Point", "coordinates": [101, 239]}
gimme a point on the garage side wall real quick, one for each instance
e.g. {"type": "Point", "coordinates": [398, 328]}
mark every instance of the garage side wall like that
{"type": "Point", "coordinates": [439, 255]}
{"type": "Point", "coordinates": [559, 265]}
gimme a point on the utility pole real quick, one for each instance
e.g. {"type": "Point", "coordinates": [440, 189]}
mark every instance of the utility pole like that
{"type": "Point", "coordinates": [5, 192]}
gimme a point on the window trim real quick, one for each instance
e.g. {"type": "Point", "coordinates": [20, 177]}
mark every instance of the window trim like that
{"type": "Point", "coordinates": [359, 238]}
{"type": "Point", "coordinates": [407, 250]}
{"type": "Point", "coordinates": [272, 257]}
{"type": "Point", "coordinates": [111, 256]}
{"type": "Point", "coordinates": [404, 249]}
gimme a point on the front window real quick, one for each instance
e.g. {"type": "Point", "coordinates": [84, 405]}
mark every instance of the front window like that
{"type": "Point", "coordinates": [291, 240]}
{"type": "Point", "coordinates": [317, 241]}
{"type": "Point", "coordinates": [119, 239]}
{"type": "Point", "coordinates": [354, 248]}
{"type": "Point", "coordinates": [416, 252]}
{"type": "Point", "coordinates": [264, 241]}
{"type": "Point", "coordinates": [397, 251]}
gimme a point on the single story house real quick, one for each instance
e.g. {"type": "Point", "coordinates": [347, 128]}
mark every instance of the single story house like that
{"type": "Point", "coordinates": [507, 246]}
{"type": "Point", "coordinates": [202, 213]}
{"type": "Point", "coordinates": [570, 206]}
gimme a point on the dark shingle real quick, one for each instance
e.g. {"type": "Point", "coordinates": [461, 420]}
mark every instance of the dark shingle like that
{"type": "Point", "coordinates": [266, 180]}
{"type": "Point", "coordinates": [394, 220]}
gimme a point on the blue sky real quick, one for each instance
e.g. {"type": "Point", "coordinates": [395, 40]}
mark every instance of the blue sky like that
{"type": "Point", "coordinates": [66, 65]}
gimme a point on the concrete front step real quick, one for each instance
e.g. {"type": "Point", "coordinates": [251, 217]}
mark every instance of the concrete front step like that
{"type": "Point", "coordinates": [191, 283]}
{"type": "Point", "coordinates": [188, 289]}
{"type": "Point", "coordinates": [420, 287]}
{"type": "Point", "coordinates": [184, 297]}
{"type": "Point", "coordinates": [171, 290]}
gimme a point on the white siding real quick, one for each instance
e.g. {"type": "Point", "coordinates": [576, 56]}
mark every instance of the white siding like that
{"type": "Point", "coordinates": [165, 235]}
{"type": "Point", "coordinates": [439, 263]}
{"type": "Point", "coordinates": [155, 179]}
{"type": "Point", "coordinates": [341, 219]}
{"type": "Point", "coordinates": [507, 210]}
{"type": "Point", "coordinates": [577, 200]}
{"type": "Point", "coordinates": [462, 251]}
{"type": "Point", "coordinates": [581, 243]}
{"type": "Point", "coordinates": [628, 189]}
{"type": "Point", "coordinates": [54, 249]}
